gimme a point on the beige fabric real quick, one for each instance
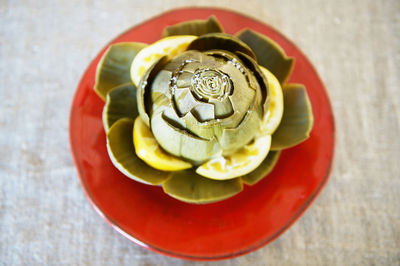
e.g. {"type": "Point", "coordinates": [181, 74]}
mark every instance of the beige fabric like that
{"type": "Point", "coordinates": [46, 45]}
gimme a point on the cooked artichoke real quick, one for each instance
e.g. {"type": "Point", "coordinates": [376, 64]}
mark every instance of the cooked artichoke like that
{"type": "Point", "coordinates": [201, 109]}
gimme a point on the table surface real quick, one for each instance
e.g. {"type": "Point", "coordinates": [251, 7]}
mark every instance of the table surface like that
{"type": "Point", "coordinates": [45, 47]}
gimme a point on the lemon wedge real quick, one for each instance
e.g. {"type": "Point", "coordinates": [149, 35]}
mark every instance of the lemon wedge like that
{"type": "Point", "coordinates": [149, 151]}
{"type": "Point", "coordinates": [274, 114]}
{"type": "Point", "coordinates": [242, 162]}
{"type": "Point", "coordinates": [169, 46]}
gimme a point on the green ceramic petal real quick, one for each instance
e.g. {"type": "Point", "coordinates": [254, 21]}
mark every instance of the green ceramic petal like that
{"type": "Point", "coordinates": [297, 120]}
{"type": "Point", "coordinates": [192, 188]}
{"type": "Point", "coordinates": [194, 27]}
{"type": "Point", "coordinates": [114, 67]}
{"type": "Point", "coordinates": [269, 54]}
{"type": "Point", "coordinates": [263, 169]}
{"type": "Point", "coordinates": [122, 153]}
{"type": "Point", "coordinates": [144, 94]}
{"type": "Point", "coordinates": [220, 41]}
{"type": "Point", "coordinates": [120, 103]}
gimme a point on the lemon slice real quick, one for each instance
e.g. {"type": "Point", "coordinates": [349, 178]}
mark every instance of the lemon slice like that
{"type": "Point", "coordinates": [170, 46]}
{"type": "Point", "coordinates": [274, 114]}
{"type": "Point", "coordinates": [148, 150]}
{"type": "Point", "coordinates": [242, 162]}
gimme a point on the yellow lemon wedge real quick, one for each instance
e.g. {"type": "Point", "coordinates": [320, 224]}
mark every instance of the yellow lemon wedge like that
{"type": "Point", "coordinates": [150, 152]}
{"type": "Point", "coordinates": [169, 46]}
{"type": "Point", "coordinates": [274, 114]}
{"type": "Point", "coordinates": [242, 162]}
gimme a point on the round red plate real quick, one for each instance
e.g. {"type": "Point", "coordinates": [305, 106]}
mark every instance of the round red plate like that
{"type": "Point", "coordinates": [226, 229]}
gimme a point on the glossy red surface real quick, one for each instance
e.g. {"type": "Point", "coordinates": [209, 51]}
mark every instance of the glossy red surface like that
{"type": "Point", "coordinates": [220, 230]}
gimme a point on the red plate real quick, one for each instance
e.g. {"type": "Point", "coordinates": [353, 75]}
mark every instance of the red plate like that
{"type": "Point", "coordinates": [226, 229]}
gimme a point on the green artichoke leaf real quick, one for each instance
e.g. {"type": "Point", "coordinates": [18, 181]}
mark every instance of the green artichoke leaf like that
{"type": "Point", "coordinates": [269, 54]}
{"type": "Point", "coordinates": [220, 41]}
{"type": "Point", "coordinates": [194, 27]}
{"type": "Point", "coordinates": [223, 109]}
{"type": "Point", "coordinates": [235, 138]}
{"type": "Point", "coordinates": [190, 187]}
{"type": "Point", "coordinates": [172, 138]}
{"type": "Point", "coordinates": [261, 79]}
{"type": "Point", "coordinates": [203, 130]}
{"type": "Point", "coordinates": [159, 92]}
{"type": "Point", "coordinates": [263, 169]}
{"type": "Point", "coordinates": [120, 103]}
{"type": "Point", "coordinates": [297, 119]}
{"type": "Point", "coordinates": [114, 67]}
{"type": "Point", "coordinates": [144, 96]}
{"type": "Point", "coordinates": [122, 153]}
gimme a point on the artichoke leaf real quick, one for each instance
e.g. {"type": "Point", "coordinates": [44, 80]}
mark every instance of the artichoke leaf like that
{"type": "Point", "coordinates": [190, 187]}
{"type": "Point", "coordinates": [150, 152]}
{"type": "Point", "coordinates": [159, 92]}
{"type": "Point", "coordinates": [269, 54]}
{"type": "Point", "coordinates": [220, 41]}
{"type": "Point", "coordinates": [194, 27]}
{"type": "Point", "coordinates": [122, 153]}
{"type": "Point", "coordinates": [184, 101]}
{"type": "Point", "coordinates": [144, 94]}
{"type": "Point", "coordinates": [234, 138]}
{"type": "Point", "coordinates": [263, 169]}
{"type": "Point", "coordinates": [172, 139]}
{"type": "Point", "coordinates": [203, 111]}
{"type": "Point", "coordinates": [203, 130]}
{"type": "Point", "coordinates": [297, 119]}
{"type": "Point", "coordinates": [180, 62]}
{"type": "Point", "coordinates": [243, 97]}
{"type": "Point", "coordinates": [120, 103]}
{"type": "Point", "coordinates": [114, 67]}
{"type": "Point", "coordinates": [260, 77]}
{"type": "Point", "coordinates": [222, 108]}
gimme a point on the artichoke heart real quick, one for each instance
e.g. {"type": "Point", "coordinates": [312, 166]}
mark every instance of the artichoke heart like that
{"type": "Point", "coordinates": [200, 112]}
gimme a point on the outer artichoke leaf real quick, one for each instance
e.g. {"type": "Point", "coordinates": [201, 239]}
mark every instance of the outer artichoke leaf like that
{"type": "Point", "coordinates": [192, 188]}
{"type": "Point", "coordinates": [122, 153]}
{"type": "Point", "coordinates": [297, 119]}
{"type": "Point", "coordinates": [120, 103]}
{"type": "Point", "coordinates": [114, 67]}
{"type": "Point", "coordinates": [263, 170]}
{"type": "Point", "coordinates": [144, 93]}
{"type": "Point", "coordinates": [194, 27]}
{"type": "Point", "coordinates": [269, 54]}
{"type": "Point", "coordinates": [220, 41]}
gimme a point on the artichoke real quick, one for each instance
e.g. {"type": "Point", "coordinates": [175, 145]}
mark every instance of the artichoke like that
{"type": "Point", "coordinates": [200, 112]}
